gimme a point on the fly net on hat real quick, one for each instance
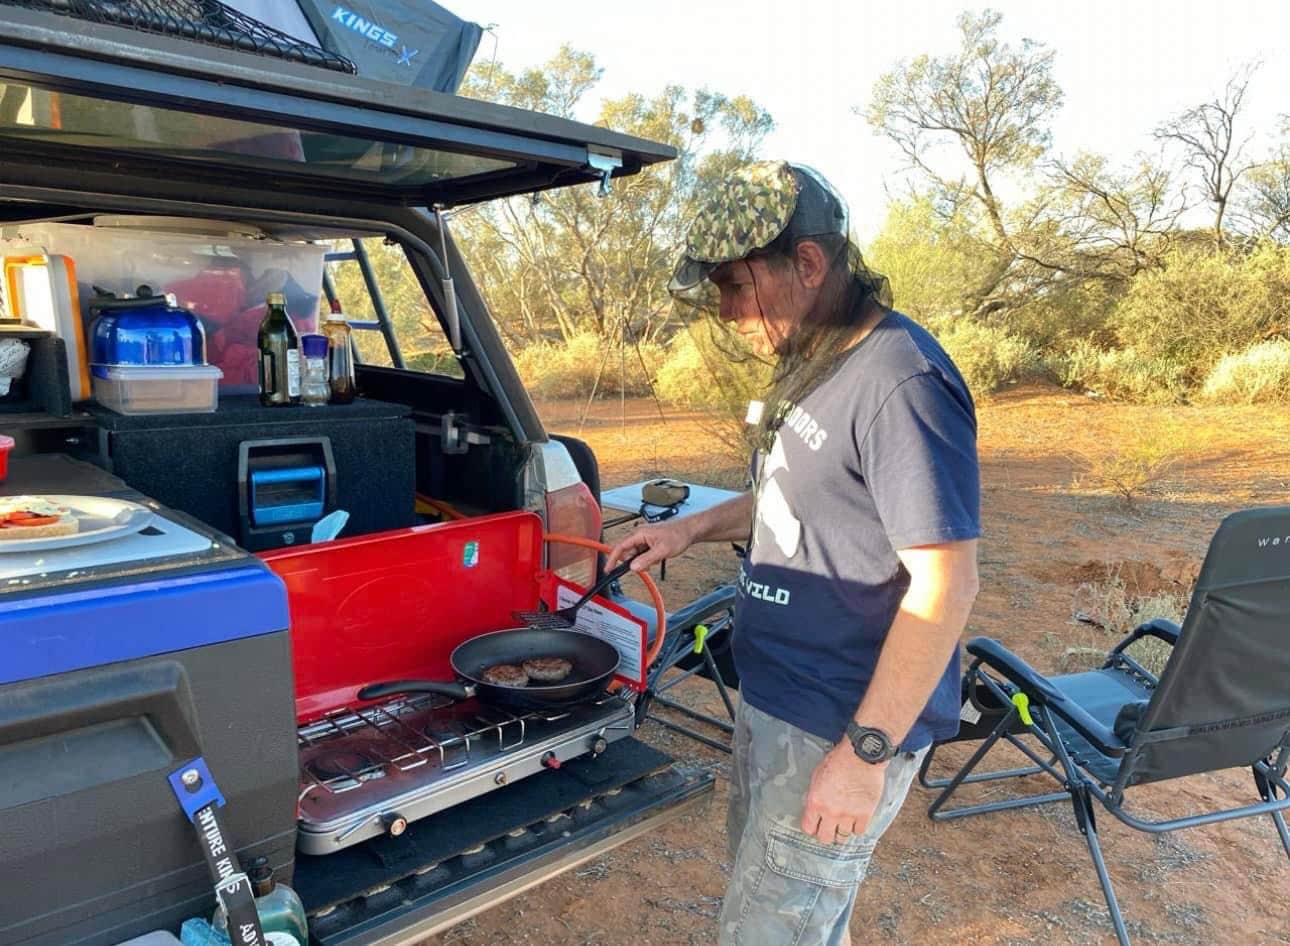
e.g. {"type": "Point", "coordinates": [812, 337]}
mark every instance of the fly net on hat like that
{"type": "Point", "coordinates": [767, 209]}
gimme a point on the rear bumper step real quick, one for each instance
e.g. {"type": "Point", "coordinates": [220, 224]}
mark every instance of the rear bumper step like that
{"type": "Point", "coordinates": [443, 892]}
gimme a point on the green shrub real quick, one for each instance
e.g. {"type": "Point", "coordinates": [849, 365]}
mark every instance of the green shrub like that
{"type": "Point", "coordinates": [553, 370]}
{"type": "Point", "coordinates": [698, 375]}
{"type": "Point", "coordinates": [1137, 465]}
{"type": "Point", "coordinates": [1203, 305]}
{"type": "Point", "coordinates": [1054, 320]}
{"type": "Point", "coordinates": [1124, 373]}
{"type": "Point", "coordinates": [988, 356]}
{"type": "Point", "coordinates": [684, 378]}
{"type": "Point", "coordinates": [442, 362]}
{"type": "Point", "coordinates": [1260, 374]}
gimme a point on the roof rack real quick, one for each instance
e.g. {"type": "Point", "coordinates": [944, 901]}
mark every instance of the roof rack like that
{"type": "Point", "coordinates": [202, 21]}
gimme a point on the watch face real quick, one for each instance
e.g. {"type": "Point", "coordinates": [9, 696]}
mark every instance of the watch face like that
{"type": "Point", "coordinates": [871, 744]}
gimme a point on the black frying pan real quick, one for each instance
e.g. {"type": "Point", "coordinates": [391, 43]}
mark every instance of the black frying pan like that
{"type": "Point", "coordinates": [594, 663]}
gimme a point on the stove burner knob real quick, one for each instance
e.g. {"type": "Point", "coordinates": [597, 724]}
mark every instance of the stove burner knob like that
{"type": "Point", "coordinates": [500, 778]}
{"type": "Point", "coordinates": [395, 824]}
{"type": "Point", "coordinates": [598, 745]}
{"type": "Point", "coordinates": [551, 760]}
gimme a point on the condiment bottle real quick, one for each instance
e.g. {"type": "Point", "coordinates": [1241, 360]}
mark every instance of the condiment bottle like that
{"type": "Point", "coordinates": [314, 389]}
{"type": "Point", "coordinates": [340, 356]}
{"type": "Point", "coordinates": [279, 355]}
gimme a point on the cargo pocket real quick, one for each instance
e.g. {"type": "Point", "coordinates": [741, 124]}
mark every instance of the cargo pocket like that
{"type": "Point", "coordinates": [802, 857]}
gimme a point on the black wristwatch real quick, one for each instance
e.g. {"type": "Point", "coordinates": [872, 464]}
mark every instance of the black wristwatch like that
{"type": "Point", "coordinates": [872, 745]}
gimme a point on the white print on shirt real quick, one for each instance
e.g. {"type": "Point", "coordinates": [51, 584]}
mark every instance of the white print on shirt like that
{"type": "Point", "coordinates": [773, 510]}
{"type": "Point", "coordinates": [763, 592]}
{"type": "Point", "coordinates": [802, 424]}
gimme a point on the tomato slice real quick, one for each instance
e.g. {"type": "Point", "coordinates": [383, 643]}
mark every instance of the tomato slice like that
{"type": "Point", "coordinates": [24, 519]}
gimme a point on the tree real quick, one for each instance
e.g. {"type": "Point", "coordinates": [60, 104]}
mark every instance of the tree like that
{"type": "Point", "coordinates": [928, 258]}
{"type": "Point", "coordinates": [421, 338]}
{"type": "Point", "coordinates": [1266, 193]}
{"type": "Point", "coordinates": [1267, 201]}
{"type": "Point", "coordinates": [570, 261]}
{"type": "Point", "coordinates": [989, 100]}
{"type": "Point", "coordinates": [1212, 147]}
{"type": "Point", "coordinates": [1104, 224]}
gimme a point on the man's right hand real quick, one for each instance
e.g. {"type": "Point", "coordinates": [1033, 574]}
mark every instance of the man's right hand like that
{"type": "Point", "coordinates": [662, 541]}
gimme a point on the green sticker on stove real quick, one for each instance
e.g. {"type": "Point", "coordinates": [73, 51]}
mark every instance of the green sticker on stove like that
{"type": "Point", "coordinates": [470, 554]}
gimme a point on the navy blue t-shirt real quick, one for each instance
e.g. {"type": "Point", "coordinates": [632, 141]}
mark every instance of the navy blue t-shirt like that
{"type": "Point", "coordinates": [880, 456]}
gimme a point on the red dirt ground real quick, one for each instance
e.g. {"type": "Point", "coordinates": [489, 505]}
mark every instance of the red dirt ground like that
{"type": "Point", "coordinates": [1021, 877]}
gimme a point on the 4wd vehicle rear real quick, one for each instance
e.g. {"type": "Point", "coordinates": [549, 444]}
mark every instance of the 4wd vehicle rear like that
{"type": "Point", "coordinates": [229, 630]}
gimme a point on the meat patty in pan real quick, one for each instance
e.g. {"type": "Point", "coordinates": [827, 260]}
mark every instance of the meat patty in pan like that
{"type": "Point", "coordinates": [547, 669]}
{"type": "Point", "coordinates": [505, 675]}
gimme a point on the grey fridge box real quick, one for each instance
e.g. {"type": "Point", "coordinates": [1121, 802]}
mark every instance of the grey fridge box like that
{"type": "Point", "coordinates": [110, 682]}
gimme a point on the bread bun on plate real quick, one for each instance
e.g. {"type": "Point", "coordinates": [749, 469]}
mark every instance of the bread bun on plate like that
{"type": "Point", "coordinates": [30, 517]}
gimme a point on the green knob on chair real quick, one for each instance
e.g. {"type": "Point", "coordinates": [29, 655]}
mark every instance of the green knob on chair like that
{"type": "Point", "coordinates": [1022, 702]}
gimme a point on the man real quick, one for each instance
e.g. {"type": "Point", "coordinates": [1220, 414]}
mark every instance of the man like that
{"type": "Point", "coordinates": [860, 568]}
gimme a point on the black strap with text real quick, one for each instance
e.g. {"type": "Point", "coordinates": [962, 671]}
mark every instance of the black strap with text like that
{"type": "Point", "coordinates": [201, 800]}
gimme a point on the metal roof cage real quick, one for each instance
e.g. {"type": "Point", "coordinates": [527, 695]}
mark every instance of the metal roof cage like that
{"type": "Point", "coordinates": [202, 21]}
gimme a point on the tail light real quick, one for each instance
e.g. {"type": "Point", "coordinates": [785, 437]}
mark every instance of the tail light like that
{"type": "Point", "coordinates": [572, 510]}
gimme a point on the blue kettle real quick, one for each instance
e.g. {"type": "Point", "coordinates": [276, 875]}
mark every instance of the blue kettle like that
{"type": "Point", "coordinates": [144, 330]}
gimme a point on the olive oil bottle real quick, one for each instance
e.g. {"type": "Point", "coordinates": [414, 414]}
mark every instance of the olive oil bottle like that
{"type": "Point", "coordinates": [279, 346]}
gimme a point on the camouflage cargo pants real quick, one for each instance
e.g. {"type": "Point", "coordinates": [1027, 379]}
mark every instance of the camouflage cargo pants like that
{"type": "Point", "coordinates": [786, 887]}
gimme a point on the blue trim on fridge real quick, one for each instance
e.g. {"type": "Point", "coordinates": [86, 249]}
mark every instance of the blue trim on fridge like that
{"type": "Point", "coordinates": [60, 633]}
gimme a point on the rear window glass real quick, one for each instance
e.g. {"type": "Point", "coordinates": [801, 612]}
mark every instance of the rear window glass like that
{"type": "Point", "coordinates": [36, 115]}
{"type": "Point", "coordinates": [422, 340]}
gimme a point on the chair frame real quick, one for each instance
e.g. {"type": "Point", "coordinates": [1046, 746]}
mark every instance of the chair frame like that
{"type": "Point", "coordinates": [715, 610]}
{"type": "Point", "coordinates": [1082, 787]}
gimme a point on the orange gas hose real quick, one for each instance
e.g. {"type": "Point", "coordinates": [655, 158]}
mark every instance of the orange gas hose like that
{"type": "Point", "coordinates": [646, 579]}
{"type": "Point", "coordinates": [441, 507]}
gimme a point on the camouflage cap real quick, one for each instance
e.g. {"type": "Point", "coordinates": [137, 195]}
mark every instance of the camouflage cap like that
{"type": "Point", "coordinates": [747, 212]}
{"type": "Point", "coordinates": [751, 209]}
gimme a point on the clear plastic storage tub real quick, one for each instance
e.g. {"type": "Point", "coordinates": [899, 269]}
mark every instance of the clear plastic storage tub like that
{"type": "Point", "coordinates": [184, 389]}
{"type": "Point", "coordinates": [220, 277]}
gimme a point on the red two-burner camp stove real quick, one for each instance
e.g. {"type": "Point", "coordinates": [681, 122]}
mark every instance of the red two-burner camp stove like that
{"type": "Point", "coordinates": [394, 607]}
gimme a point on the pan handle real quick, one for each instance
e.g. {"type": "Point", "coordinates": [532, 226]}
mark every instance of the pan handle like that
{"type": "Point", "coordinates": [458, 691]}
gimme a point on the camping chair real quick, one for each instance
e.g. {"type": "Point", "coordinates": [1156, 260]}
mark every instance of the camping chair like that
{"type": "Point", "coordinates": [698, 642]}
{"type": "Point", "coordinates": [1222, 701]}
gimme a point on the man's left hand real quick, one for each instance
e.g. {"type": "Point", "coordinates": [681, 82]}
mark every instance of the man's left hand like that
{"type": "Point", "coordinates": [844, 793]}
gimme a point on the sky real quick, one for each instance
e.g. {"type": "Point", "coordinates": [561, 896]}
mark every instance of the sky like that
{"type": "Point", "coordinates": [1124, 66]}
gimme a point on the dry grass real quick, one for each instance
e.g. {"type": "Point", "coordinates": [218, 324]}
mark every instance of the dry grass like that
{"type": "Point", "coordinates": [1111, 611]}
{"type": "Point", "coordinates": [1140, 463]}
{"type": "Point", "coordinates": [1131, 469]}
{"type": "Point", "coordinates": [1258, 375]}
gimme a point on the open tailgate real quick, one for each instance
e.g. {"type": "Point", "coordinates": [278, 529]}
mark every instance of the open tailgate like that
{"type": "Point", "coordinates": [79, 96]}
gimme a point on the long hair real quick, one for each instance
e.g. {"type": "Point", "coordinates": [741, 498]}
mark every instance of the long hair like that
{"type": "Point", "coordinates": [818, 344]}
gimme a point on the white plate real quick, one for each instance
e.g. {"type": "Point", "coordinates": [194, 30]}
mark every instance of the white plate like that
{"type": "Point", "coordinates": [101, 520]}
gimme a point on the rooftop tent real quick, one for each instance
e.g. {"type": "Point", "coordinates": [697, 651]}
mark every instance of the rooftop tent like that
{"type": "Point", "coordinates": [285, 17]}
{"type": "Point", "coordinates": [407, 42]}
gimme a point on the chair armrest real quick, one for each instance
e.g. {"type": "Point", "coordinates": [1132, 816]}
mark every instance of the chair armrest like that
{"type": "Point", "coordinates": [1159, 628]}
{"type": "Point", "coordinates": [1025, 677]}
{"type": "Point", "coordinates": [1039, 690]}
